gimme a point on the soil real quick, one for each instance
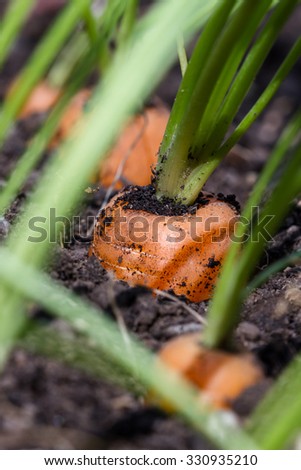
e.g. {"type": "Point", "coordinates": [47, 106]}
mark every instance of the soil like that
{"type": "Point", "coordinates": [144, 198]}
{"type": "Point", "coordinates": [45, 404]}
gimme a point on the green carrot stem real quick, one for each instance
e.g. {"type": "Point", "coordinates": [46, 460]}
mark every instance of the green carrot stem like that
{"type": "Point", "coordinates": [221, 93]}
{"type": "Point", "coordinates": [128, 21]}
{"type": "Point", "coordinates": [91, 24]}
{"type": "Point", "coordinates": [264, 99]}
{"type": "Point", "coordinates": [196, 180]}
{"type": "Point", "coordinates": [171, 161]}
{"type": "Point", "coordinates": [189, 157]}
{"type": "Point", "coordinates": [201, 173]}
{"type": "Point", "coordinates": [243, 81]}
{"type": "Point", "coordinates": [173, 172]}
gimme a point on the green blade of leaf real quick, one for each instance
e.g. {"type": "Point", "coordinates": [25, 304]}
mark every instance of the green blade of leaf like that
{"type": "Point", "coordinates": [78, 351]}
{"type": "Point", "coordinates": [241, 261]}
{"type": "Point", "coordinates": [264, 99]}
{"type": "Point", "coordinates": [39, 62]}
{"type": "Point", "coordinates": [128, 21]}
{"type": "Point", "coordinates": [39, 144]}
{"type": "Point", "coordinates": [10, 26]}
{"type": "Point", "coordinates": [277, 419]}
{"type": "Point", "coordinates": [285, 141]}
{"type": "Point", "coordinates": [91, 24]}
{"type": "Point", "coordinates": [249, 70]}
{"type": "Point", "coordinates": [231, 64]}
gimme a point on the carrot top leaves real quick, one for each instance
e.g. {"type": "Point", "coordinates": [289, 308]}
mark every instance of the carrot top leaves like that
{"type": "Point", "coordinates": [218, 77]}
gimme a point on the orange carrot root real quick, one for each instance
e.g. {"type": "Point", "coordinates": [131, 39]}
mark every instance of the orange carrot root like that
{"type": "Point", "coordinates": [41, 99]}
{"type": "Point", "coordinates": [220, 376]}
{"type": "Point", "coordinates": [135, 152]}
{"type": "Point", "coordinates": [71, 116]}
{"type": "Point", "coordinates": [182, 253]}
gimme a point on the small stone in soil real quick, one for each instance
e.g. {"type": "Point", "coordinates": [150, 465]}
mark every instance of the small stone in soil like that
{"type": "Point", "coordinates": [293, 295]}
{"type": "Point", "coordinates": [250, 331]}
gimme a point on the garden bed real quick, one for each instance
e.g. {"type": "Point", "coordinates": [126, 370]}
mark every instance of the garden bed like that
{"type": "Point", "coordinates": [45, 404]}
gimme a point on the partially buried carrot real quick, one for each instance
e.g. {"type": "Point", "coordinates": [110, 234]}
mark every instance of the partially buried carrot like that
{"type": "Point", "coordinates": [220, 376]}
{"type": "Point", "coordinates": [180, 252]}
{"type": "Point", "coordinates": [71, 116]}
{"type": "Point", "coordinates": [41, 99]}
{"type": "Point", "coordinates": [135, 152]}
{"type": "Point", "coordinates": [131, 159]}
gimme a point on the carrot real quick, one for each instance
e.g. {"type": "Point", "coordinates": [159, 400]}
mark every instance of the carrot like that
{"type": "Point", "coordinates": [135, 152]}
{"type": "Point", "coordinates": [41, 99]}
{"type": "Point", "coordinates": [182, 253]}
{"type": "Point", "coordinates": [71, 116]}
{"type": "Point", "coordinates": [221, 376]}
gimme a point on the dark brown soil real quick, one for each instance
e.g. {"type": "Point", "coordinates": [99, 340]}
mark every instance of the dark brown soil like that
{"type": "Point", "coordinates": [144, 198]}
{"type": "Point", "coordinates": [45, 404]}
